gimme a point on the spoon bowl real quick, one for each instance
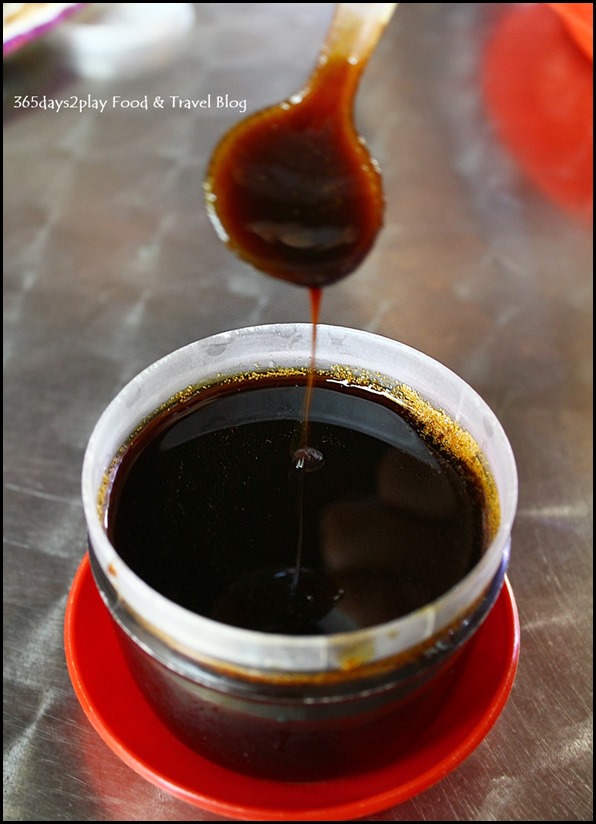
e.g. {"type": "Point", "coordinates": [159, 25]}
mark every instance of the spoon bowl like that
{"type": "Point", "coordinates": [293, 189]}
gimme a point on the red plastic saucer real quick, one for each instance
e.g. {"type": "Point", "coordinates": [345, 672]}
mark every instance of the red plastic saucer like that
{"type": "Point", "coordinates": [120, 714]}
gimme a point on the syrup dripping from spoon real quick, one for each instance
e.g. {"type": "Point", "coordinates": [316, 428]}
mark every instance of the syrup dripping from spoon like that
{"type": "Point", "coordinates": [294, 191]}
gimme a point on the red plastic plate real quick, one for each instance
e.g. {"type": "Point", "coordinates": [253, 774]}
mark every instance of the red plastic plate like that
{"type": "Point", "coordinates": [120, 714]}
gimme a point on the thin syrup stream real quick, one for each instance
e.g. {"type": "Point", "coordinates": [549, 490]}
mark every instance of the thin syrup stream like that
{"type": "Point", "coordinates": [306, 458]}
{"type": "Point", "coordinates": [298, 597]}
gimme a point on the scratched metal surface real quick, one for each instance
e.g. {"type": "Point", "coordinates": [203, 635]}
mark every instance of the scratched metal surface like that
{"type": "Point", "coordinates": [110, 263]}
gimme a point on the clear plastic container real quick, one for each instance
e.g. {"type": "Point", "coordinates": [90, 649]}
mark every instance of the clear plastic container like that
{"type": "Point", "coordinates": [296, 707]}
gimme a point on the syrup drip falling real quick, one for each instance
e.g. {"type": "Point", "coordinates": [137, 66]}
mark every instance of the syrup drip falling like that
{"type": "Point", "coordinates": [294, 191]}
{"type": "Point", "coordinates": [306, 458]}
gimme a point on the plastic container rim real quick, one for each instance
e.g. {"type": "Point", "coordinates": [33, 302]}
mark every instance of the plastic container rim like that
{"type": "Point", "coordinates": [281, 345]}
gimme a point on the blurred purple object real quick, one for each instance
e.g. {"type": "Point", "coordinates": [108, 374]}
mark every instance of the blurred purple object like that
{"type": "Point", "coordinates": [34, 22]}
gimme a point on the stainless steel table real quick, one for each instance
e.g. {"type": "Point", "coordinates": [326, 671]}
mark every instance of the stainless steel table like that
{"type": "Point", "coordinates": [110, 262]}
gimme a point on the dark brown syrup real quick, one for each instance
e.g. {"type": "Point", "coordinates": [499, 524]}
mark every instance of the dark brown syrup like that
{"type": "Point", "coordinates": [293, 191]}
{"type": "Point", "coordinates": [203, 507]}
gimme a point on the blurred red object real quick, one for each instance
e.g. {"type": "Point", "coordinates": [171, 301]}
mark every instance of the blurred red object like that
{"type": "Point", "coordinates": [538, 84]}
{"type": "Point", "coordinates": [579, 19]}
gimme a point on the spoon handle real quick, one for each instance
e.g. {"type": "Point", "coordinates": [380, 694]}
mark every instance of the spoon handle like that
{"type": "Point", "coordinates": [355, 31]}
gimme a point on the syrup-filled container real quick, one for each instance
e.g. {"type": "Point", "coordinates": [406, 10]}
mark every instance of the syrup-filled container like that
{"type": "Point", "coordinates": [361, 649]}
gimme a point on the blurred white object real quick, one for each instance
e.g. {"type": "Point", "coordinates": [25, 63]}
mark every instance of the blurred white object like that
{"type": "Point", "coordinates": [114, 39]}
